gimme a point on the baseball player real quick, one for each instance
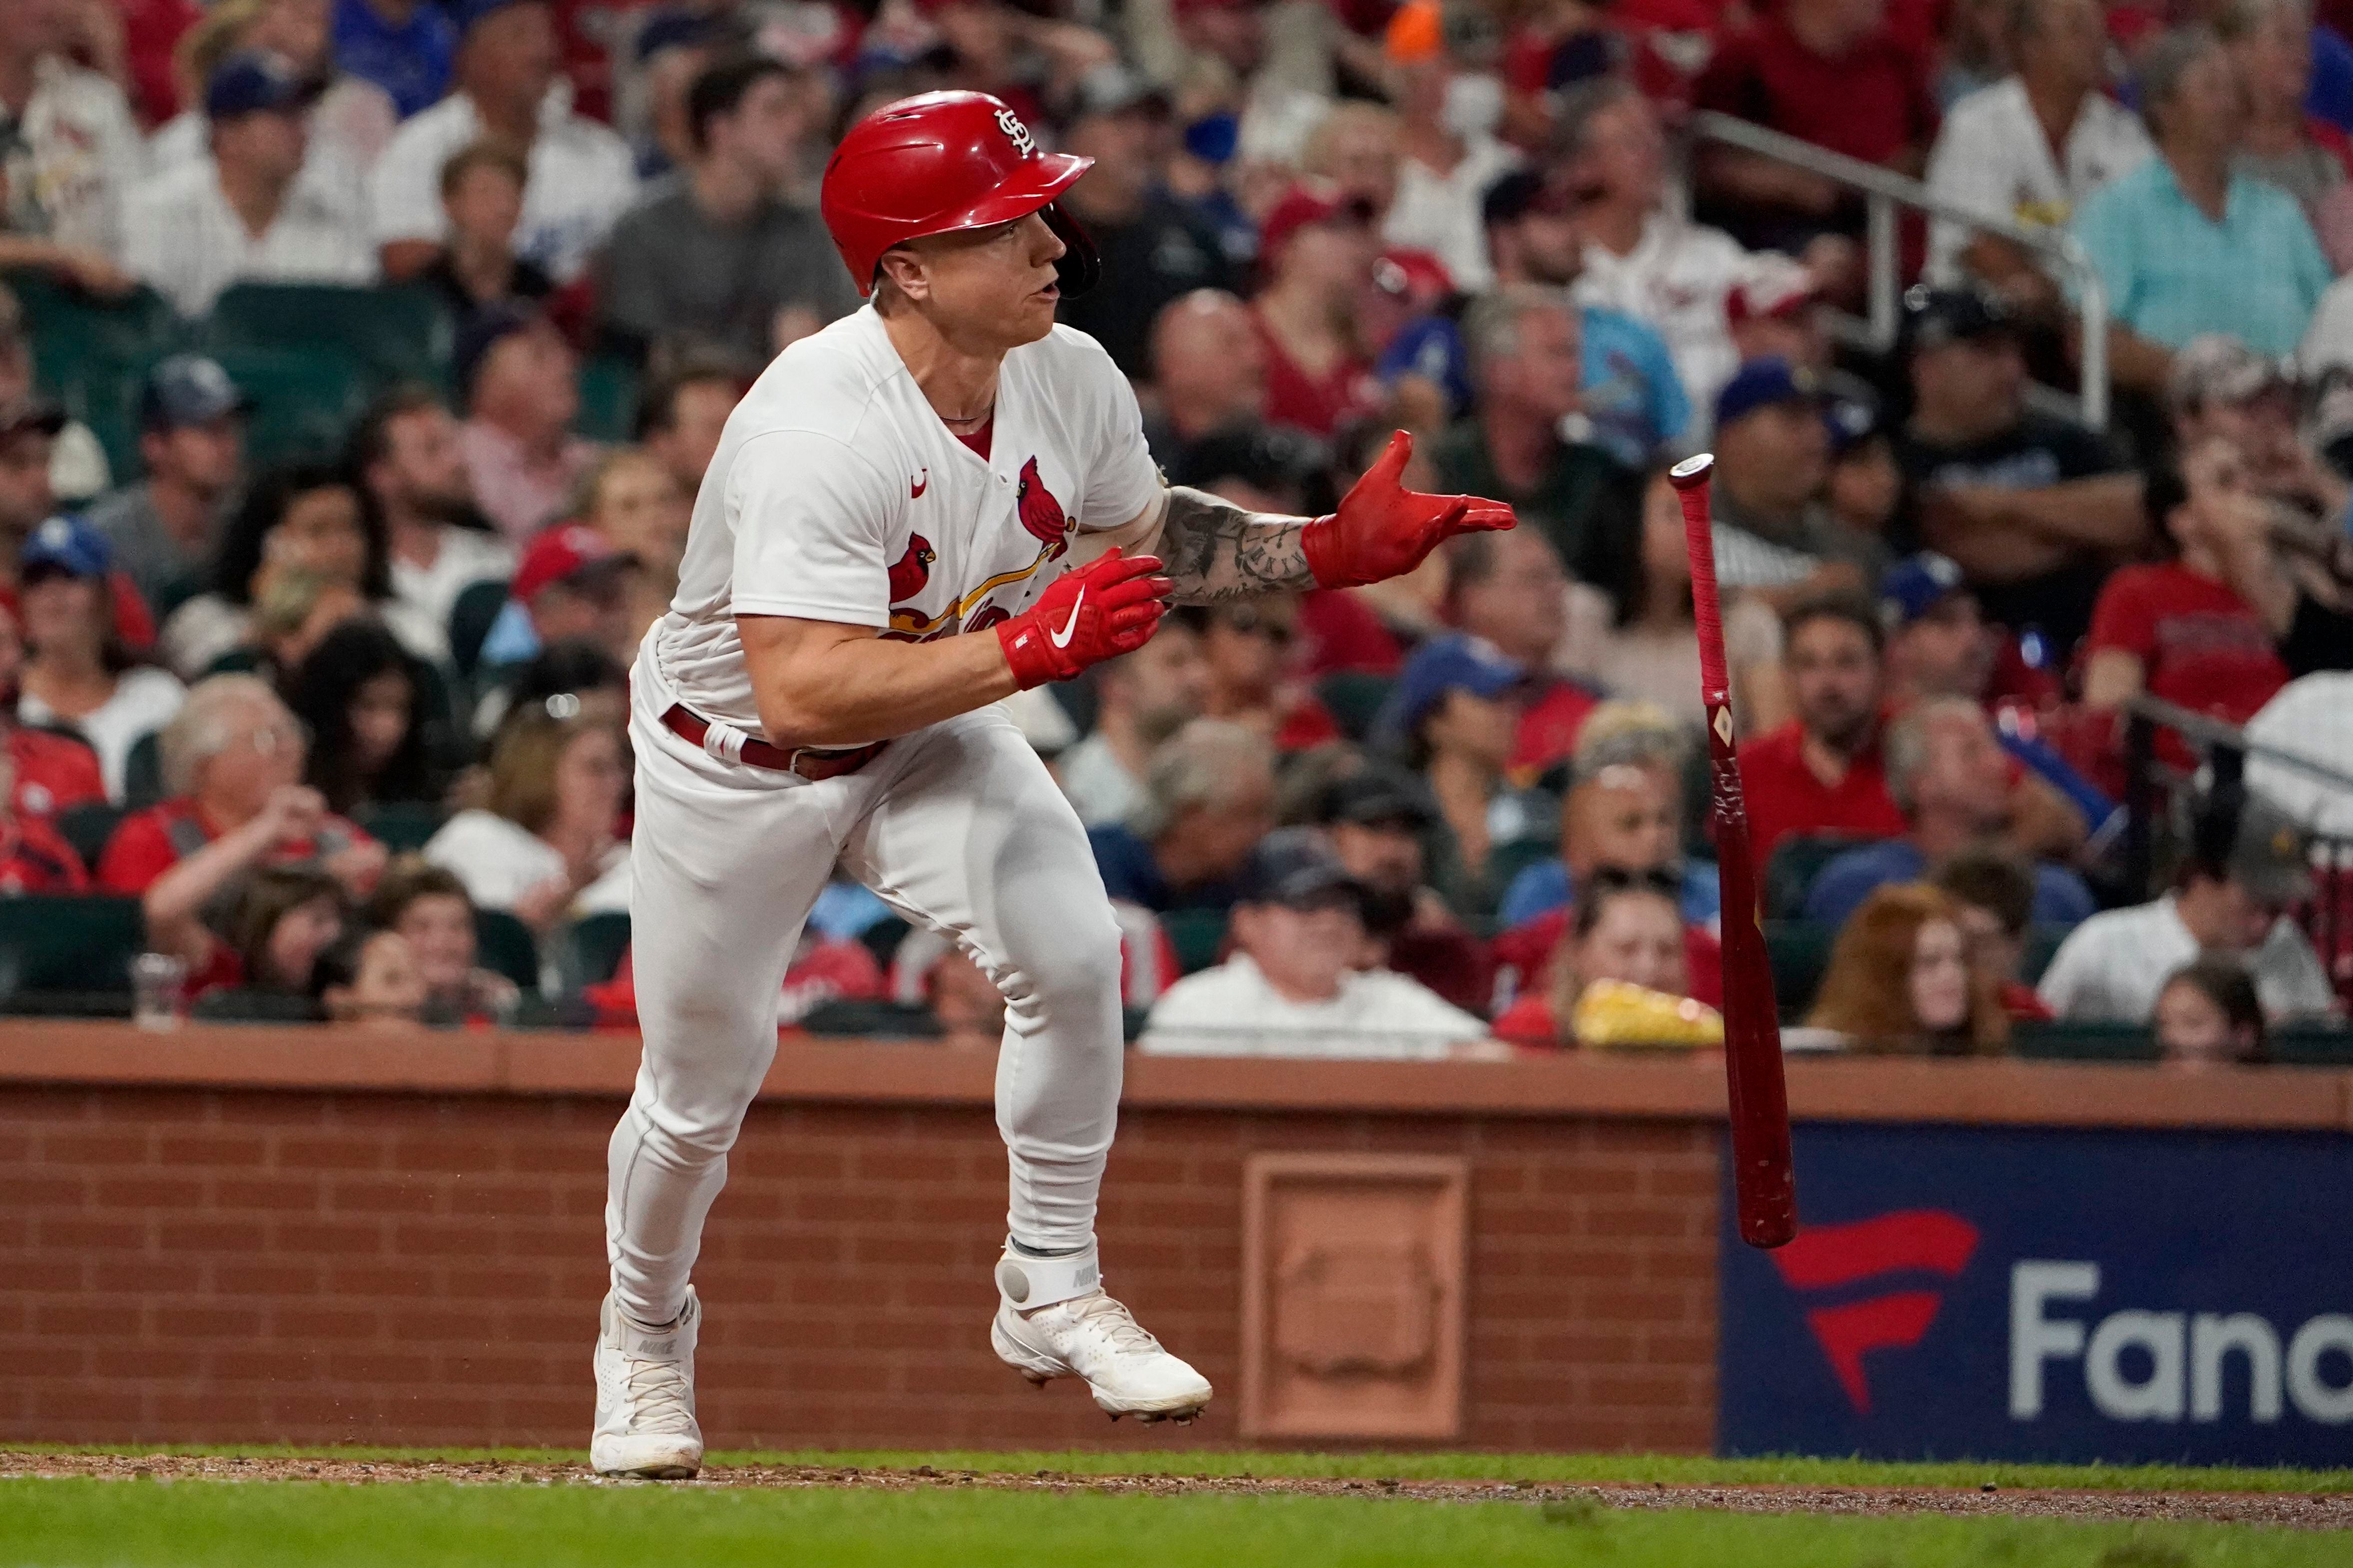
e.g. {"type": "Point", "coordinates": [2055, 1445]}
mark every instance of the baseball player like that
{"type": "Point", "coordinates": [938, 500]}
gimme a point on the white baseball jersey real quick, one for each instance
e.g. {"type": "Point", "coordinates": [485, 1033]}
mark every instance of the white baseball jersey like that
{"type": "Point", "coordinates": [838, 494]}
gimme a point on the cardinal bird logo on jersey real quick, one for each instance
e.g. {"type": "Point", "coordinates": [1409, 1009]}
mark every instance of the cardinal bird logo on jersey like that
{"type": "Point", "coordinates": [913, 569]}
{"type": "Point", "coordinates": [1041, 514]}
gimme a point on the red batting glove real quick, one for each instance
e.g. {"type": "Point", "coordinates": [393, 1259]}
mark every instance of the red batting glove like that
{"type": "Point", "coordinates": [1103, 609]}
{"type": "Point", "coordinates": [1383, 529]}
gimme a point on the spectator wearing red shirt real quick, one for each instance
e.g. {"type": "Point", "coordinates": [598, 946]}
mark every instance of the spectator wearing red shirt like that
{"type": "Point", "coordinates": [1317, 251]}
{"type": "Point", "coordinates": [1822, 773]}
{"type": "Point", "coordinates": [49, 773]}
{"type": "Point", "coordinates": [1829, 72]}
{"type": "Point", "coordinates": [1627, 929]}
{"type": "Point", "coordinates": [233, 763]}
{"type": "Point", "coordinates": [2202, 629]}
{"type": "Point", "coordinates": [1510, 590]}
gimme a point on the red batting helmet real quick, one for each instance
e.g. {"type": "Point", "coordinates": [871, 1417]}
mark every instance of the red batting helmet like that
{"type": "Point", "coordinates": [942, 162]}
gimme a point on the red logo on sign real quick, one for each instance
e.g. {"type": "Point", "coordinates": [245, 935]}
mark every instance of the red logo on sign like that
{"type": "Point", "coordinates": [1909, 1241]}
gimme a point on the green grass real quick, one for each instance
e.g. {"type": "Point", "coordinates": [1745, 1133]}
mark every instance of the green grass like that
{"type": "Point", "coordinates": [204, 1524]}
{"type": "Point", "coordinates": [1673, 1470]}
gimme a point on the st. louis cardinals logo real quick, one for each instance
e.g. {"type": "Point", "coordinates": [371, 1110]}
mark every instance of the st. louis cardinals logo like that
{"type": "Point", "coordinates": [1041, 514]}
{"type": "Point", "coordinates": [1929, 1245]}
{"type": "Point", "coordinates": [1041, 517]}
{"type": "Point", "coordinates": [912, 570]}
{"type": "Point", "coordinates": [1016, 133]}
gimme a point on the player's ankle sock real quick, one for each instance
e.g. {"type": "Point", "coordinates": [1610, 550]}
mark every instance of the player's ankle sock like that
{"type": "Point", "coordinates": [1026, 1250]}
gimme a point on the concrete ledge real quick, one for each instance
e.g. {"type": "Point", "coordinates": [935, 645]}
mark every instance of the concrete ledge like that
{"type": "Point", "coordinates": [1678, 1089]}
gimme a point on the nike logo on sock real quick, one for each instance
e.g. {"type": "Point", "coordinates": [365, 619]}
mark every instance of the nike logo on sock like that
{"type": "Point", "coordinates": [1062, 637]}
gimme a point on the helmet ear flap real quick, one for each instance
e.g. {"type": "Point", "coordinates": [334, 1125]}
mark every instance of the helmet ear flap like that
{"type": "Point", "coordinates": [1079, 267]}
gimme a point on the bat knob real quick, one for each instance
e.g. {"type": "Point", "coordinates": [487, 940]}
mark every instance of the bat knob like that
{"type": "Point", "coordinates": [1692, 471]}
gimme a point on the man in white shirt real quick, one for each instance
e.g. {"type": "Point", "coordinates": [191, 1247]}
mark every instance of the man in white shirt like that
{"type": "Point", "coordinates": [404, 450]}
{"type": "Point", "coordinates": [1994, 154]}
{"type": "Point", "coordinates": [1642, 257]}
{"type": "Point", "coordinates": [243, 213]}
{"type": "Point", "coordinates": [2249, 863]}
{"type": "Point", "coordinates": [1295, 988]}
{"type": "Point", "coordinates": [71, 155]}
{"type": "Point", "coordinates": [580, 177]}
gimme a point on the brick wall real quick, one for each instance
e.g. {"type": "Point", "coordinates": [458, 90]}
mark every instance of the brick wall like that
{"type": "Point", "coordinates": [252, 1263]}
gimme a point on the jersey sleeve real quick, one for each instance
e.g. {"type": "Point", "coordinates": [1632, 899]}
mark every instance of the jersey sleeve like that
{"type": "Point", "coordinates": [1122, 480]}
{"type": "Point", "coordinates": [812, 523]}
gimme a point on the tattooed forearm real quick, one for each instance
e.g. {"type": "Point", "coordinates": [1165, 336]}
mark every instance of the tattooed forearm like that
{"type": "Point", "coordinates": [1215, 550]}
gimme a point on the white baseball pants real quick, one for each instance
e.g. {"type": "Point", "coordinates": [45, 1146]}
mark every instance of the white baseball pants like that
{"type": "Point", "coordinates": [960, 828]}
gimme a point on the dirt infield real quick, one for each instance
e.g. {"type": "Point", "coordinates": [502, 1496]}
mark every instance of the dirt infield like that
{"type": "Point", "coordinates": [2295, 1510]}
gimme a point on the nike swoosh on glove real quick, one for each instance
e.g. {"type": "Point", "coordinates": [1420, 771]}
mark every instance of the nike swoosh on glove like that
{"type": "Point", "coordinates": [1383, 529]}
{"type": "Point", "coordinates": [1105, 609]}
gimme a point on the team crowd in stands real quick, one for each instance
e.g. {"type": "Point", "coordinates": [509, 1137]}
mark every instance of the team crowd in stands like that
{"type": "Point", "coordinates": [347, 721]}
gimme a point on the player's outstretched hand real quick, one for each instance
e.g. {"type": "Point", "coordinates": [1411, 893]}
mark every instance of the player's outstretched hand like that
{"type": "Point", "coordinates": [1103, 609]}
{"type": "Point", "coordinates": [1383, 529]}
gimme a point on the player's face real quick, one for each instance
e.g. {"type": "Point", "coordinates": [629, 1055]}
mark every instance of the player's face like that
{"type": "Point", "coordinates": [992, 288]}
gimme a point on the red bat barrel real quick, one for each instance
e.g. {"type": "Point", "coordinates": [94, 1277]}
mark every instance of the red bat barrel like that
{"type": "Point", "coordinates": [1764, 1183]}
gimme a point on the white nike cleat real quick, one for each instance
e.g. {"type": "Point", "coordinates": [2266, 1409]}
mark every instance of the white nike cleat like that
{"type": "Point", "coordinates": [1053, 1320]}
{"type": "Point", "coordinates": [645, 1396]}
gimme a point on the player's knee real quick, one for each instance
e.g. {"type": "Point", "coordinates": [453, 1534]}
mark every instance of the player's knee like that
{"type": "Point", "coordinates": [1081, 969]}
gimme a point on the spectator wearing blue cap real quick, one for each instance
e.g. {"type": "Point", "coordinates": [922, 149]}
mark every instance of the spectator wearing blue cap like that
{"type": "Point", "coordinates": [163, 529]}
{"type": "Point", "coordinates": [1454, 717]}
{"type": "Point", "coordinates": [2035, 510]}
{"type": "Point", "coordinates": [78, 672]}
{"type": "Point", "coordinates": [405, 47]}
{"type": "Point", "coordinates": [582, 177]}
{"type": "Point", "coordinates": [350, 123]}
{"type": "Point", "coordinates": [1525, 343]}
{"type": "Point", "coordinates": [244, 214]}
{"type": "Point", "coordinates": [716, 255]}
{"type": "Point", "coordinates": [1773, 535]}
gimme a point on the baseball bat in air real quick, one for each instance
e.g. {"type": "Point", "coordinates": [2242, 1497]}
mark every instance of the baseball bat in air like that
{"type": "Point", "coordinates": [1764, 1183]}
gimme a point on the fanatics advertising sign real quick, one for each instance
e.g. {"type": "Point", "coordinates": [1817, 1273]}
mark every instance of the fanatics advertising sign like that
{"type": "Point", "coordinates": [2070, 1296]}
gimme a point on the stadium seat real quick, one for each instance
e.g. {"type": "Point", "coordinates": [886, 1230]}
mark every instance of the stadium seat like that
{"type": "Point", "coordinates": [398, 334]}
{"type": "Point", "coordinates": [2042, 947]}
{"type": "Point", "coordinates": [74, 942]}
{"type": "Point", "coordinates": [304, 399]}
{"type": "Point", "coordinates": [142, 773]}
{"type": "Point", "coordinates": [90, 354]}
{"type": "Point", "coordinates": [1796, 861]}
{"type": "Point", "coordinates": [504, 944]}
{"type": "Point", "coordinates": [589, 950]}
{"type": "Point", "coordinates": [1798, 952]}
{"type": "Point", "coordinates": [1354, 698]}
{"type": "Point", "coordinates": [87, 826]}
{"type": "Point", "coordinates": [2313, 1046]}
{"type": "Point", "coordinates": [2062, 1040]}
{"type": "Point", "coordinates": [608, 400]}
{"type": "Point", "coordinates": [400, 826]}
{"type": "Point", "coordinates": [1197, 935]}
{"type": "Point", "coordinates": [470, 618]}
{"type": "Point", "coordinates": [871, 1020]}
{"type": "Point", "coordinates": [243, 1005]}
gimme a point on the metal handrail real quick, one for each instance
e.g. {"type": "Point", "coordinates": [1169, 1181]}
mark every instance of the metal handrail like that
{"type": "Point", "coordinates": [1883, 190]}
{"type": "Point", "coordinates": [2219, 734]}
